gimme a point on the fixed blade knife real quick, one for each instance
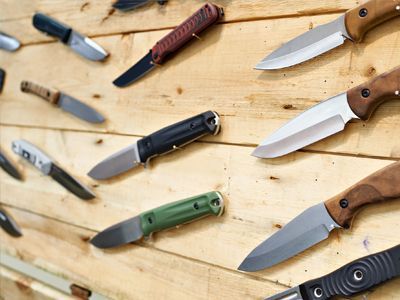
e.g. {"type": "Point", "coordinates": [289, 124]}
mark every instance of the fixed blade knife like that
{"type": "Point", "coordinates": [161, 218]}
{"type": "Point", "coordinates": [181, 35]}
{"type": "Point", "coordinates": [8, 42]}
{"type": "Point", "coordinates": [163, 141]}
{"type": "Point", "coordinates": [126, 5]}
{"type": "Point", "coordinates": [331, 116]}
{"type": "Point", "coordinates": [47, 166]}
{"type": "Point", "coordinates": [8, 224]}
{"type": "Point", "coordinates": [353, 25]}
{"type": "Point", "coordinates": [65, 102]}
{"type": "Point", "coordinates": [79, 43]}
{"type": "Point", "coordinates": [7, 165]}
{"type": "Point", "coordinates": [354, 278]}
{"type": "Point", "coordinates": [315, 223]}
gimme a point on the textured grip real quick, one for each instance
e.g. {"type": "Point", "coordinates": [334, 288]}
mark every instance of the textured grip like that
{"type": "Point", "coordinates": [177, 135]}
{"type": "Point", "coordinates": [355, 277]}
{"type": "Point", "coordinates": [51, 27]}
{"type": "Point", "coordinates": [47, 94]}
{"type": "Point", "coordinates": [200, 20]}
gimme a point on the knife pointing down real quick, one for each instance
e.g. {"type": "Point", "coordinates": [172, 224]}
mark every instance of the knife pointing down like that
{"type": "Point", "coordinates": [331, 116]}
{"type": "Point", "coordinates": [353, 25]}
{"type": "Point", "coordinates": [315, 223]}
{"type": "Point", "coordinates": [163, 217]}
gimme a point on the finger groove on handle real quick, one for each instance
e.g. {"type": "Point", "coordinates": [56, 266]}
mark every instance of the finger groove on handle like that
{"type": "Point", "coordinates": [47, 94]}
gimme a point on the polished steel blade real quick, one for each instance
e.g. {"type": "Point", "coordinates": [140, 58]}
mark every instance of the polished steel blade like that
{"type": "Point", "coordinates": [290, 294]}
{"type": "Point", "coordinates": [8, 42]}
{"type": "Point", "coordinates": [316, 123]}
{"type": "Point", "coordinates": [9, 225]}
{"type": "Point", "coordinates": [117, 163]}
{"type": "Point", "coordinates": [306, 46]}
{"type": "Point", "coordinates": [79, 109]}
{"type": "Point", "coordinates": [122, 233]}
{"type": "Point", "coordinates": [138, 70]}
{"type": "Point", "coordinates": [304, 231]}
{"type": "Point", "coordinates": [86, 47]}
{"type": "Point", "coordinates": [126, 5]}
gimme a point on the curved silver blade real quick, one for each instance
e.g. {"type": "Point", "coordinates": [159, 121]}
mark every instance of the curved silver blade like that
{"type": "Point", "coordinates": [304, 231]}
{"type": "Point", "coordinates": [79, 109]}
{"type": "Point", "coordinates": [117, 163]}
{"type": "Point", "coordinates": [122, 233]}
{"type": "Point", "coordinates": [316, 123]}
{"type": "Point", "coordinates": [86, 47]}
{"type": "Point", "coordinates": [8, 42]}
{"type": "Point", "coordinates": [306, 46]}
{"type": "Point", "coordinates": [291, 294]}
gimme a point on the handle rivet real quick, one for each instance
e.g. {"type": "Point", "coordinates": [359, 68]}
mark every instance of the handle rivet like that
{"type": "Point", "coordinates": [196, 205]}
{"type": "Point", "coordinates": [365, 93]}
{"type": "Point", "coordinates": [397, 93]}
{"type": "Point", "coordinates": [318, 292]}
{"type": "Point", "coordinates": [358, 275]}
{"type": "Point", "coordinates": [344, 203]}
{"type": "Point", "coordinates": [363, 12]}
{"type": "Point", "coordinates": [398, 7]}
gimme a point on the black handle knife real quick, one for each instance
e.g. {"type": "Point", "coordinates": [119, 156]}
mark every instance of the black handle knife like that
{"type": "Point", "coordinates": [8, 224]}
{"type": "Point", "coordinates": [52, 27]}
{"type": "Point", "coordinates": [7, 166]}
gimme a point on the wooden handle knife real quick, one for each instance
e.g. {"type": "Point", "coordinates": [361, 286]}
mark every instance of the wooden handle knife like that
{"type": "Point", "coordinates": [47, 94]}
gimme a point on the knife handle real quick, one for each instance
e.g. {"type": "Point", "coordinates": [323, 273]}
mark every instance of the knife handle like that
{"type": "Point", "coordinates": [355, 277]}
{"type": "Point", "coordinates": [51, 27]}
{"type": "Point", "coordinates": [180, 212]}
{"type": "Point", "coordinates": [361, 19]}
{"type": "Point", "coordinates": [47, 94]}
{"type": "Point", "coordinates": [2, 79]}
{"type": "Point", "coordinates": [9, 225]}
{"type": "Point", "coordinates": [190, 28]}
{"type": "Point", "coordinates": [177, 135]}
{"type": "Point", "coordinates": [365, 98]}
{"type": "Point", "coordinates": [381, 186]}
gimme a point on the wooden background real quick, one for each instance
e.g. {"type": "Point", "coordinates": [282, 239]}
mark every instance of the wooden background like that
{"type": "Point", "coordinates": [199, 260]}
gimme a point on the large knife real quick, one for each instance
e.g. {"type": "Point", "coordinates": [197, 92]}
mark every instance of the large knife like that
{"type": "Point", "coordinates": [181, 35]}
{"type": "Point", "coordinates": [8, 42]}
{"type": "Point", "coordinates": [315, 223]}
{"type": "Point", "coordinates": [8, 224]}
{"type": "Point", "coordinates": [163, 141]}
{"type": "Point", "coordinates": [163, 217]}
{"type": "Point", "coordinates": [67, 103]}
{"type": "Point", "coordinates": [7, 165]}
{"type": "Point", "coordinates": [79, 43]}
{"type": "Point", "coordinates": [48, 167]}
{"type": "Point", "coordinates": [331, 116]}
{"type": "Point", "coordinates": [354, 278]}
{"type": "Point", "coordinates": [126, 5]}
{"type": "Point", "coordinates": [352, 25]}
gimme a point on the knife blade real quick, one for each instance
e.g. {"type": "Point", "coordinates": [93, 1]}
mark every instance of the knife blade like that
{"type": "Point", "coordinates": [161, 218]}
{"type": "Point", "coordinates": [126, 5]}
{"type": "Point", "coordinates": [315, 223]}
{"type": "Point", "coordinates": [331, 116]}
{"type": "Point", "coordinates": [79, 43]}
{"type": "Point", "coordinates": [162, 50]}
{"type": "Point", "coordinates": [47, 166]}
{"type": "Point", "coordinates": [65, 102]}
{"type": "Point", "coordinates": [9, 43]}
{"type": "Point", "coordinates": [6, 165]}
{"type": "Point", "coordinates": [8, 224]}
{"type": "Point", "coordinates": [163, 141]}
{"type": "Point", "coordinates": [354, 278]}
{"type": "Point", "coordinates": [353, 25]}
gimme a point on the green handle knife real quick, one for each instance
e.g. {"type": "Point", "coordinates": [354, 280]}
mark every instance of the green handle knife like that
{"type": "Point", "coordinates": [163, 217]}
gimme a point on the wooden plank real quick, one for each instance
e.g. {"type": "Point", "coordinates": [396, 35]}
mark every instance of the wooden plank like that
{"type": "Point", "coordinates": [213, 74]}
{"type": "Point", "coordinates": [98, 17]}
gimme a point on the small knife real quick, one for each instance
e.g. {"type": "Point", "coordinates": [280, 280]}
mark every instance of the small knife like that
{"type": "Point", "coordinates": [354, 278]}
{"type": "Point", "coordinates": [315, 223]}
{"type": "Point", "coordinates": [6, 165]}
{"type": "Point", "coordinates": [79, 43]}
{"type": "Point", "coordinates": [67, 103]}
{"type": "Point", "coordinates": [48, 167]}
{"type": "Point", "coordinates": [353, 25]}
{"type": "Point", "coordinates": [126, 5]}
{"type": "Point", "coordinates": [8, 224]}
{"type": "Point", "coordinates": [163, 217]}
{"type": "Point", "coordinates": [8, 42]}
{"type": "Point", "coordinates": [181, 35]}
{"type": "Point", "coordinates": [331, 116]}
{"type": "Point", "coordinates": [163, 141]}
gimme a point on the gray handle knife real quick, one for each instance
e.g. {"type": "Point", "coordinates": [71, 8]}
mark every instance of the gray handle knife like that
{"type": "Point", "coordinates": [6, 165]}
{"type": "Point", "coordinates": [8, 224]}
{"type": "Point", "coordinates": [8, 42]}
{"type": "Point", "coordinates": [48, 167]}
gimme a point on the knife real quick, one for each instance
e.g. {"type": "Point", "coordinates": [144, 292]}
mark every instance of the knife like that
{"type": "Point", "coordinates": [65, 102]}
{"type": "Point", "coordinates": [125, 5]}
{"type": "Point", "coordinates": [315, 223]}
{"type": "Point", "coordinates": [6, 165]}
{"type": "Point", "coordinates": [353, 25]}
{"type": "Point", "coordinates": [79, 43]}
{"type": "Point", "coordinates": [331, 116]}
{"type": "Point", "coordinates": [163, 141]}
{"type": "Point", "coordinates": [2, 79]}
{"type": "Point", "coordinates": [8, 224]}
{"type": "Point", "coordinates": [181, 35]}
{"type": "Point", "coordinates": [163, 217]}
{"type": "Point", "coordinates": [351, 279]}
{"type": "Point", "coordinates": [48, 167]}
{"type": "Point", "coordinates": [9, 43]}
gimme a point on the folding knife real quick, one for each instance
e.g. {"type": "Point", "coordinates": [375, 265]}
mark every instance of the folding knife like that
{"type": "Point", "coordinates": [353, 25]}
{"type": "Point", "coordinates": [331, 116]}
{"type": "Point", "coordinates": [125, 5]}
{"type": "Point", "coordinates": [67, 103]}
{"type": "Point", "coordinates": [80, 44]}
{"type": "Point", "coordinates": [315, 223]}
{"type": "Point", "coordinates": [48, 167]}
{"type": "Point", "coordinates": [163, 141]}
{"type": "Point", "coordinates": [6, 165]}
{"type": "Point", "coordinates": [163, 217]}
{"type": "Point", "coordinates": [351, 279]}
{"type": "Point", "coordinates": [199, 21]}
{"type": "Point", "coordinates": [8, 224]}
{"type": "Point", "coordinates": [8, 42]}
